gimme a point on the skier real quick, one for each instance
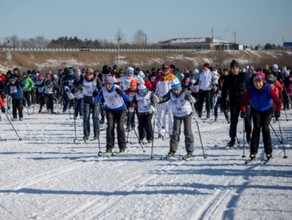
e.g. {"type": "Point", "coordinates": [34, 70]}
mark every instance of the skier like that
{"type": "Point", "coordinates": [14, 89]}
{"type": "Point", "coordinates": [146, 101]}
{"type": "Point", "coordinates": [27, 89]}
{"type": "Point", "coordinates": [161, 86]}
{"type": "Point", "coordinates": [68, 81]}
{"type": "Point", "coordinates": [126, 79]}
{"type": "Point", "coordinates": [235, 86]}
{"type": "Point", "coordinates": [90, 84]}
{"type": "Point", "coordinates": [218, 94]}
{"type": "Point", "coordinates": [2, 103]}
{"type": "Point", "coordinates": [115, 106]}
{"type": "Point", "coordinates": [207, 81]}
{"type": "Point", "coordinates": [131, 110]}
{"type": "Point", "coordinates": [181, 102]}
{"type": "Point", "coordinates": [261, 98]}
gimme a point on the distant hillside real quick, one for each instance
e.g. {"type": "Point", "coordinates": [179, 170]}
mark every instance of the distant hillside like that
{"type": "Point", "coordinates": [44, 61]}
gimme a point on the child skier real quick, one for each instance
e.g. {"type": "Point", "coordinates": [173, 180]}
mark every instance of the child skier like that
{"type": "Point", "coordinates": [261, 97]}
{"type": "Point", "coordinates": [181, 102]}
{"type": "Point", "coordinates": [146, 101]}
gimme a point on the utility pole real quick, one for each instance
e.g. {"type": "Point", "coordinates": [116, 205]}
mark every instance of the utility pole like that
{"type": "Point", "coordinates": [118, 57]}
{"type": "Point", "coordinates": [212, 36]}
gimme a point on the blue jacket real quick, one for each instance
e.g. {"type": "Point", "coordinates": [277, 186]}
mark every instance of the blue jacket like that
{"type": "Point", "coordinates": [14, 90]}
{"type": "Point", "coordinates": [261, 99]}
{"type": "Point", "coordinates": [118, 91]}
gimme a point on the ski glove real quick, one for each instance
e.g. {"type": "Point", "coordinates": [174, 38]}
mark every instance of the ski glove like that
{"type": "Point", "coordinates": [66, 89]}
{"type": "Point", "coordinates": [131, 109]}
{"type": "Point", "coordinates": [3, 110]}
{"type": "Point", "coordinates": [95, 93]}
{"type": "Point", "coordinates": [119, 91]}
{"type": "Point", "coordinates": [152, 109]}
{"type": "Point", "coordinates": [242, 114]}
{"type": "Point", "coordinates": [277, 115]}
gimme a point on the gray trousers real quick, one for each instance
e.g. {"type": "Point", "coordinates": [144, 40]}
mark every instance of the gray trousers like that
{"type": "Point", "coordinates": [175, 137]}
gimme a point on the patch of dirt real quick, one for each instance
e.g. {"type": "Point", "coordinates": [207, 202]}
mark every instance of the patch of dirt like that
{"type": "Point", "coordinates": [44, 61]}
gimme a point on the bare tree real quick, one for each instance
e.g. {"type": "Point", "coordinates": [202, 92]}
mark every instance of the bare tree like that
{"type": "Point", "coordinates": [140, 38]}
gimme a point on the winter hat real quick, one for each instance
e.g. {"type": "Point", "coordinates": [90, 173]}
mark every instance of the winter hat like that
{"type": "Point", "coordinates": [109, 80]}
{"type": "Point", "coordinates": [142, 89]}
{"type": "Point", "coordinates": [70, 70]}
{"type": "Point", "coordinates": [271, 78]}
{"type": "Point", "coordinates": [275, 67]}
{"type": "Point", "coordinates": [105, 69]}
{"type": "Point", "coordinates": [207, 65]}
{"type": "Point", "coordinates": [13, 79]}
{"type": "Point", "coordinates": [259, 76]}
{"type": "Point", "coordinates": [130, 70]}
{"type": "Point", "coordinates": [133, 83]}
{"type": "Point", "coordinates": [89, 70]}
{"type": "Point", "coordinates": [233, 64]}
{"type": "Point", "coordinates": [175, 84]}
{"type": "Point", "coordinates": [286, 73]}
{"type": "Point", "coordinates": [164, 67]}
{"type": "Point", "coordinates": [141, 74]}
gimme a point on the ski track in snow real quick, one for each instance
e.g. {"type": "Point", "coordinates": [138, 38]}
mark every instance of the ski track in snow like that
{"type": "Point", "coordinates": [132, 186]}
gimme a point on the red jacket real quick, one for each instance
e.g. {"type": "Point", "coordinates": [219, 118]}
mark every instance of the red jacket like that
{"type": "Point", "coordinates": [1, 102]}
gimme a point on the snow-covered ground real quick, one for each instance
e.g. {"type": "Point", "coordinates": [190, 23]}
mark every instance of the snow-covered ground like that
{"type": "Point", "coordinates": [47, 175]}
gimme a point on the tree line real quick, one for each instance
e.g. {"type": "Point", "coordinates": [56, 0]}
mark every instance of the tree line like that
{"type": "Point", "coordinates": [139, 41]}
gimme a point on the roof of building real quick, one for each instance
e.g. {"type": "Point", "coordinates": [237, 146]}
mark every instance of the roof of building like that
{"type": "Point", "coordinates": [192, 40]}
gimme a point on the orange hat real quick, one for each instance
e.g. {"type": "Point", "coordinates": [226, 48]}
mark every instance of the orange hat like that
{"type": "Point", "coordinates": [133, 83]}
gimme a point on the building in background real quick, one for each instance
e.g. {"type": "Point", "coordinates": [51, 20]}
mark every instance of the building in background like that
{"type": "Point", "coordinates": [287, 45]}
{"type": "Point", "coordinates": [199, 43]}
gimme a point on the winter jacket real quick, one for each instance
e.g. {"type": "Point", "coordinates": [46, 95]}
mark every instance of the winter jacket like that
{"type": "Point", "coordinates": [234, 87]}
{"type": "Point", "coordinates": [87, 87]}
{"type": "Point", "coordinates": [28, 84]}
{"type": "Point", "coordinates": [114, 99]}
{"type": "Point", "coordinates": [261, 100]}
{"type": "Point", "coordinates": [288, 85]}
{"type": "Point", "coordinates": [15, 90]}
{"type": "Point", "coordinates": [181, 105]}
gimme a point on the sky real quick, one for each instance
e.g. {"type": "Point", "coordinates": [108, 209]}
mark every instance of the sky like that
{"type": "Point", "coordinates": [250, 22]}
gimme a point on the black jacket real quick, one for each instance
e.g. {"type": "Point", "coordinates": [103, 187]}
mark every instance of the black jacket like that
{"type": "Point", "coordinates": [234, 87]}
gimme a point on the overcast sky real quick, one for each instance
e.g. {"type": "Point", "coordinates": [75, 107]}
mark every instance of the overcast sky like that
{"type": "Point", "coordinates": [250, 22]}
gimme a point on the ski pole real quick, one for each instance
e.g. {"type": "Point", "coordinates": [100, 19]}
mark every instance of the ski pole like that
{"type": "Point", "coordinates": [276, 134]}
{"type": "Point", "coordinates": [26, 105]}
{"type": "Point", "coordinates": [284, 150]}
{"type": "Point", "coordinates": [243, 137]}
{"type": "Point", "coordinates": [152, 144]}
{"type": "Point", "coordinates": [282, 100]}
{"type": "Point", "coordinates": [201, 139]}
{"type": "Point", "coordinates": [138, 139]}
{"type": "Point", "coordinates": [12, 126]}
{"type": "Point", "coordinates": [74, 118]}
{"type": "Point", "coordinates": [99, 148]}
{"type": "Point", "coordinates": [75, 135]}
{"type": "Point", "coordinates": [287, 95]}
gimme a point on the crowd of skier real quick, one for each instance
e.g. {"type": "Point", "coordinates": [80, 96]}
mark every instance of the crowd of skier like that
{"type": "Point", "coordinates": [167, 97]}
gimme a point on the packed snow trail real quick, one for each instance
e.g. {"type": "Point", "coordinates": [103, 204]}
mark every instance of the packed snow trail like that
{"type": "Point", "coordinates": [48, 176]}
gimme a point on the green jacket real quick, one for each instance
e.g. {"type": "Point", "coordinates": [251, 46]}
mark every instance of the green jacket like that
{"type": "Point", "coordinates": [28, 84]}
